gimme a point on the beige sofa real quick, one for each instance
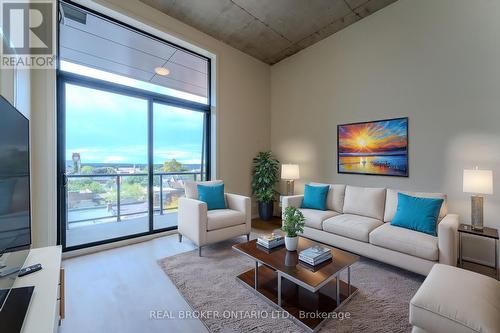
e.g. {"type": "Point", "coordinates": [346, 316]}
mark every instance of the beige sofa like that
{"type": "Point", "coordinates": [358, 219]}
{"type": "Point", "coordinates": [203, 226]}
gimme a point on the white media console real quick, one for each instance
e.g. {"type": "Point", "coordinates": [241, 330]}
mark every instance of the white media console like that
{"type": "Point", "coordinates": [47, 302]}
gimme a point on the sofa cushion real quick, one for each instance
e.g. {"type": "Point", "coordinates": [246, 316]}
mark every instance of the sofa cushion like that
{"type": "Point", "coordinates": [191, 188]}
{"type": "Point", "coordinates": [365, 201]}
{"type": "Point", "coordinates": [315, 196]}
{"type": "Point", "coordinates": [406, 241]}
{"type": "Point", "coordinates": [452, 299]}
{"type": "Point", "coordinates": [335, 197]}
{"type": "Point", "coordinates": [391, 202]}
{"type": "Point", "coordinates": [352, 226]}
{"type": "Point", "coordinates": [223, 218]}
{"type": "Point", "coordinates": [314, 218]}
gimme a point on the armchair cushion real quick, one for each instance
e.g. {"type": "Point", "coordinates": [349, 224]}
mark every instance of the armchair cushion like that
{"type": "Point", "coordinates": [223, 218]}
{"type": "Point", "coordinates": [213, 195]}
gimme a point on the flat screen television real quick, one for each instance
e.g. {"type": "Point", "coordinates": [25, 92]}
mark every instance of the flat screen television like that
{"type": "Point", "coordinates": [15, 221]}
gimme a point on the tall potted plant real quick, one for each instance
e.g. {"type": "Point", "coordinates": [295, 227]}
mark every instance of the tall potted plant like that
{"type": "Point", "coordinates": [293, 223]}
{"type": "Point", "coordinates": [265, 176]}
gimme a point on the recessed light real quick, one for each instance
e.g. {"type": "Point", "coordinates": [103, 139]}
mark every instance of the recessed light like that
{"type": "Point", "coordinates": [162, 71]}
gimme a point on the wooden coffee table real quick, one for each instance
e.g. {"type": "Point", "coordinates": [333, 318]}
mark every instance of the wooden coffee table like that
{"type": "Point", "coordinates": [310, 295]}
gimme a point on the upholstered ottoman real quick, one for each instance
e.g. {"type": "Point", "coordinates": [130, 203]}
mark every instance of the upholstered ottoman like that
{"type": "Point", "coordinates": [454, 300]}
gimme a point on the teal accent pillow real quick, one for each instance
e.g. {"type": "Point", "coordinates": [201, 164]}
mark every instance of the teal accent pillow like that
{"type": "Point", "coordinates": [419, 214]}
{"type": "Point", "coordinates": [213, 195]}
{"type": "Point", "coordinates": [315, 196]}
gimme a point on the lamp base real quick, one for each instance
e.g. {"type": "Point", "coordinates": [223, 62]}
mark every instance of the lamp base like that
{"type": "Point", "coordinates": [477, 212]}
{"type": "Point", "coordinates": [289, 187]}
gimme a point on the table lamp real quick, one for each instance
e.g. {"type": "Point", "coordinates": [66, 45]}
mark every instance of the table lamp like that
{"type": "Point", "coordinates": [289, 172]}
{"type": "Point", "coordinates": [477, 182]}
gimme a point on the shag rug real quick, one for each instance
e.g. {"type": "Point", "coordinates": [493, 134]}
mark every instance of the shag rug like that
{"type": "Point", "coordinates": [209, 283]}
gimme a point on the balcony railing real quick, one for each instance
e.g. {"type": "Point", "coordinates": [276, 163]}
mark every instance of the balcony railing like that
{"type": "Point", "coordinates": [101, 197]}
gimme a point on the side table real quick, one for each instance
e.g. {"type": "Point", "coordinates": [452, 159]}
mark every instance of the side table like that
{"type": "Point", "coordinates": [486, 232]}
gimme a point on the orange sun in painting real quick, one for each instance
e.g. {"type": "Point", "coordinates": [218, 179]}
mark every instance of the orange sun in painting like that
{"type": "Point", "coordinates": [372, 137]}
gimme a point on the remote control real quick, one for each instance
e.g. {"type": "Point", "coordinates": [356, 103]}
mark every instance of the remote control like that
{"type": "Point", "coordinates": [29, 270]}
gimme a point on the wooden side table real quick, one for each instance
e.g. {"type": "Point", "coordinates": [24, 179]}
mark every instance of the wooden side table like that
{"type": "Point", "coordinates": [486, 232]}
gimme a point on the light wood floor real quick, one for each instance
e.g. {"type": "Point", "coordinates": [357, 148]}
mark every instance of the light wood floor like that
{"type": "Point", "coordinates": [115, 290]}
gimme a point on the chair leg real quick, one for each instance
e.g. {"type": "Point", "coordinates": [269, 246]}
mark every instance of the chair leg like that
{"type": "Point", "coordinates": [180, 238]}
{"type": "Point", "coordinates": [199, 251]}
{"type": "Point", "coordinates": [248, 237]}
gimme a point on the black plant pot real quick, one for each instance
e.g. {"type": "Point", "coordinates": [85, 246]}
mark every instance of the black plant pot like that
{"type": "Point", "coordinates": [266, 210]}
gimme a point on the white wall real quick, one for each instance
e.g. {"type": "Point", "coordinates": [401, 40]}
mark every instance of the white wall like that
{"type": "Point", "coordinates": [43, 158]}
{"type": "Point", "coordinates": [435, 61]}
{"type": "Point", "coordinates": [241, 109]}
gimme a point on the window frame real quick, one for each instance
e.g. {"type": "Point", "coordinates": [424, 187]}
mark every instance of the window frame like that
{"type": "Point", "coordinates": [63, 78]}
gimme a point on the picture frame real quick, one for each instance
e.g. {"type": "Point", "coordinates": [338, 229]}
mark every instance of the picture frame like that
{"type": "Point", "coordinates": [378, 147]}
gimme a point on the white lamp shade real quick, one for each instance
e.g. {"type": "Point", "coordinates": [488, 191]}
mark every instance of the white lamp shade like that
{"type": "Point", "coordinates": [290, 171]}
{"type": "Point", "coordinates": [478, 181]}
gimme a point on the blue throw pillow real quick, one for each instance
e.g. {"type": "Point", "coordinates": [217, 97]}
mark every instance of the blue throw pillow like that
{"type": "Point", "coordinates": [213, 195]}
{"type": "Point", "coordinates": [315, 196]}
{"type": "Point", "coordinates": [419, 214]}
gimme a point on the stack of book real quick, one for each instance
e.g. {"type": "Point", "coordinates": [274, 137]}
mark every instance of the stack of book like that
{"type": "Point", "coordinates": [271, 241]}
{"type": "Point", "coordinates": [315, 255]}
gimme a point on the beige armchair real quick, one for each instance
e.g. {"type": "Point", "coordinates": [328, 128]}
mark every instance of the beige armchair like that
{"type": "Point", "coordinates": [205, 227]}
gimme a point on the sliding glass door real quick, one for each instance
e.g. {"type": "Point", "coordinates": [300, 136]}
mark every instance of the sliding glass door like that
{"type": "Point", "coordinates": [124, 157]}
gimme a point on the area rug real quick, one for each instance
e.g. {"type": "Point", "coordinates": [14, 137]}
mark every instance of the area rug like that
{"type": "Point", "coordinates": [210, 287]}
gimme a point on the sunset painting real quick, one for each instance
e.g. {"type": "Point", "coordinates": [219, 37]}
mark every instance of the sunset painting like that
{"type": "Point", "coordinates": [374, 148]}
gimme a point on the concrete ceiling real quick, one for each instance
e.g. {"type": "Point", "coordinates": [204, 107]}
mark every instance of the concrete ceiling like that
{"type": "Point", "coordinates": [269, 30]}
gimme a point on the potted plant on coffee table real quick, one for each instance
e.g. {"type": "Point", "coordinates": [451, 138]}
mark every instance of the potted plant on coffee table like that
{"type": "Point", "coordinates": [293, 223]}
{"type": "Point", "coordinates": [265, 175]}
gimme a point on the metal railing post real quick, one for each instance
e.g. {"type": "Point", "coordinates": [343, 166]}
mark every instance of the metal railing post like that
{"type": "Point", "coordinates": [161, 194]}
{"type": "Point", "coordinates": [118, 218]}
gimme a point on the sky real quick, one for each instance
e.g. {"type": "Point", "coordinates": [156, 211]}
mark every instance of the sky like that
{"type": "Point", "coordinates": [373, 137]}
{"type": "Point", "coordinates": [110, 128]}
